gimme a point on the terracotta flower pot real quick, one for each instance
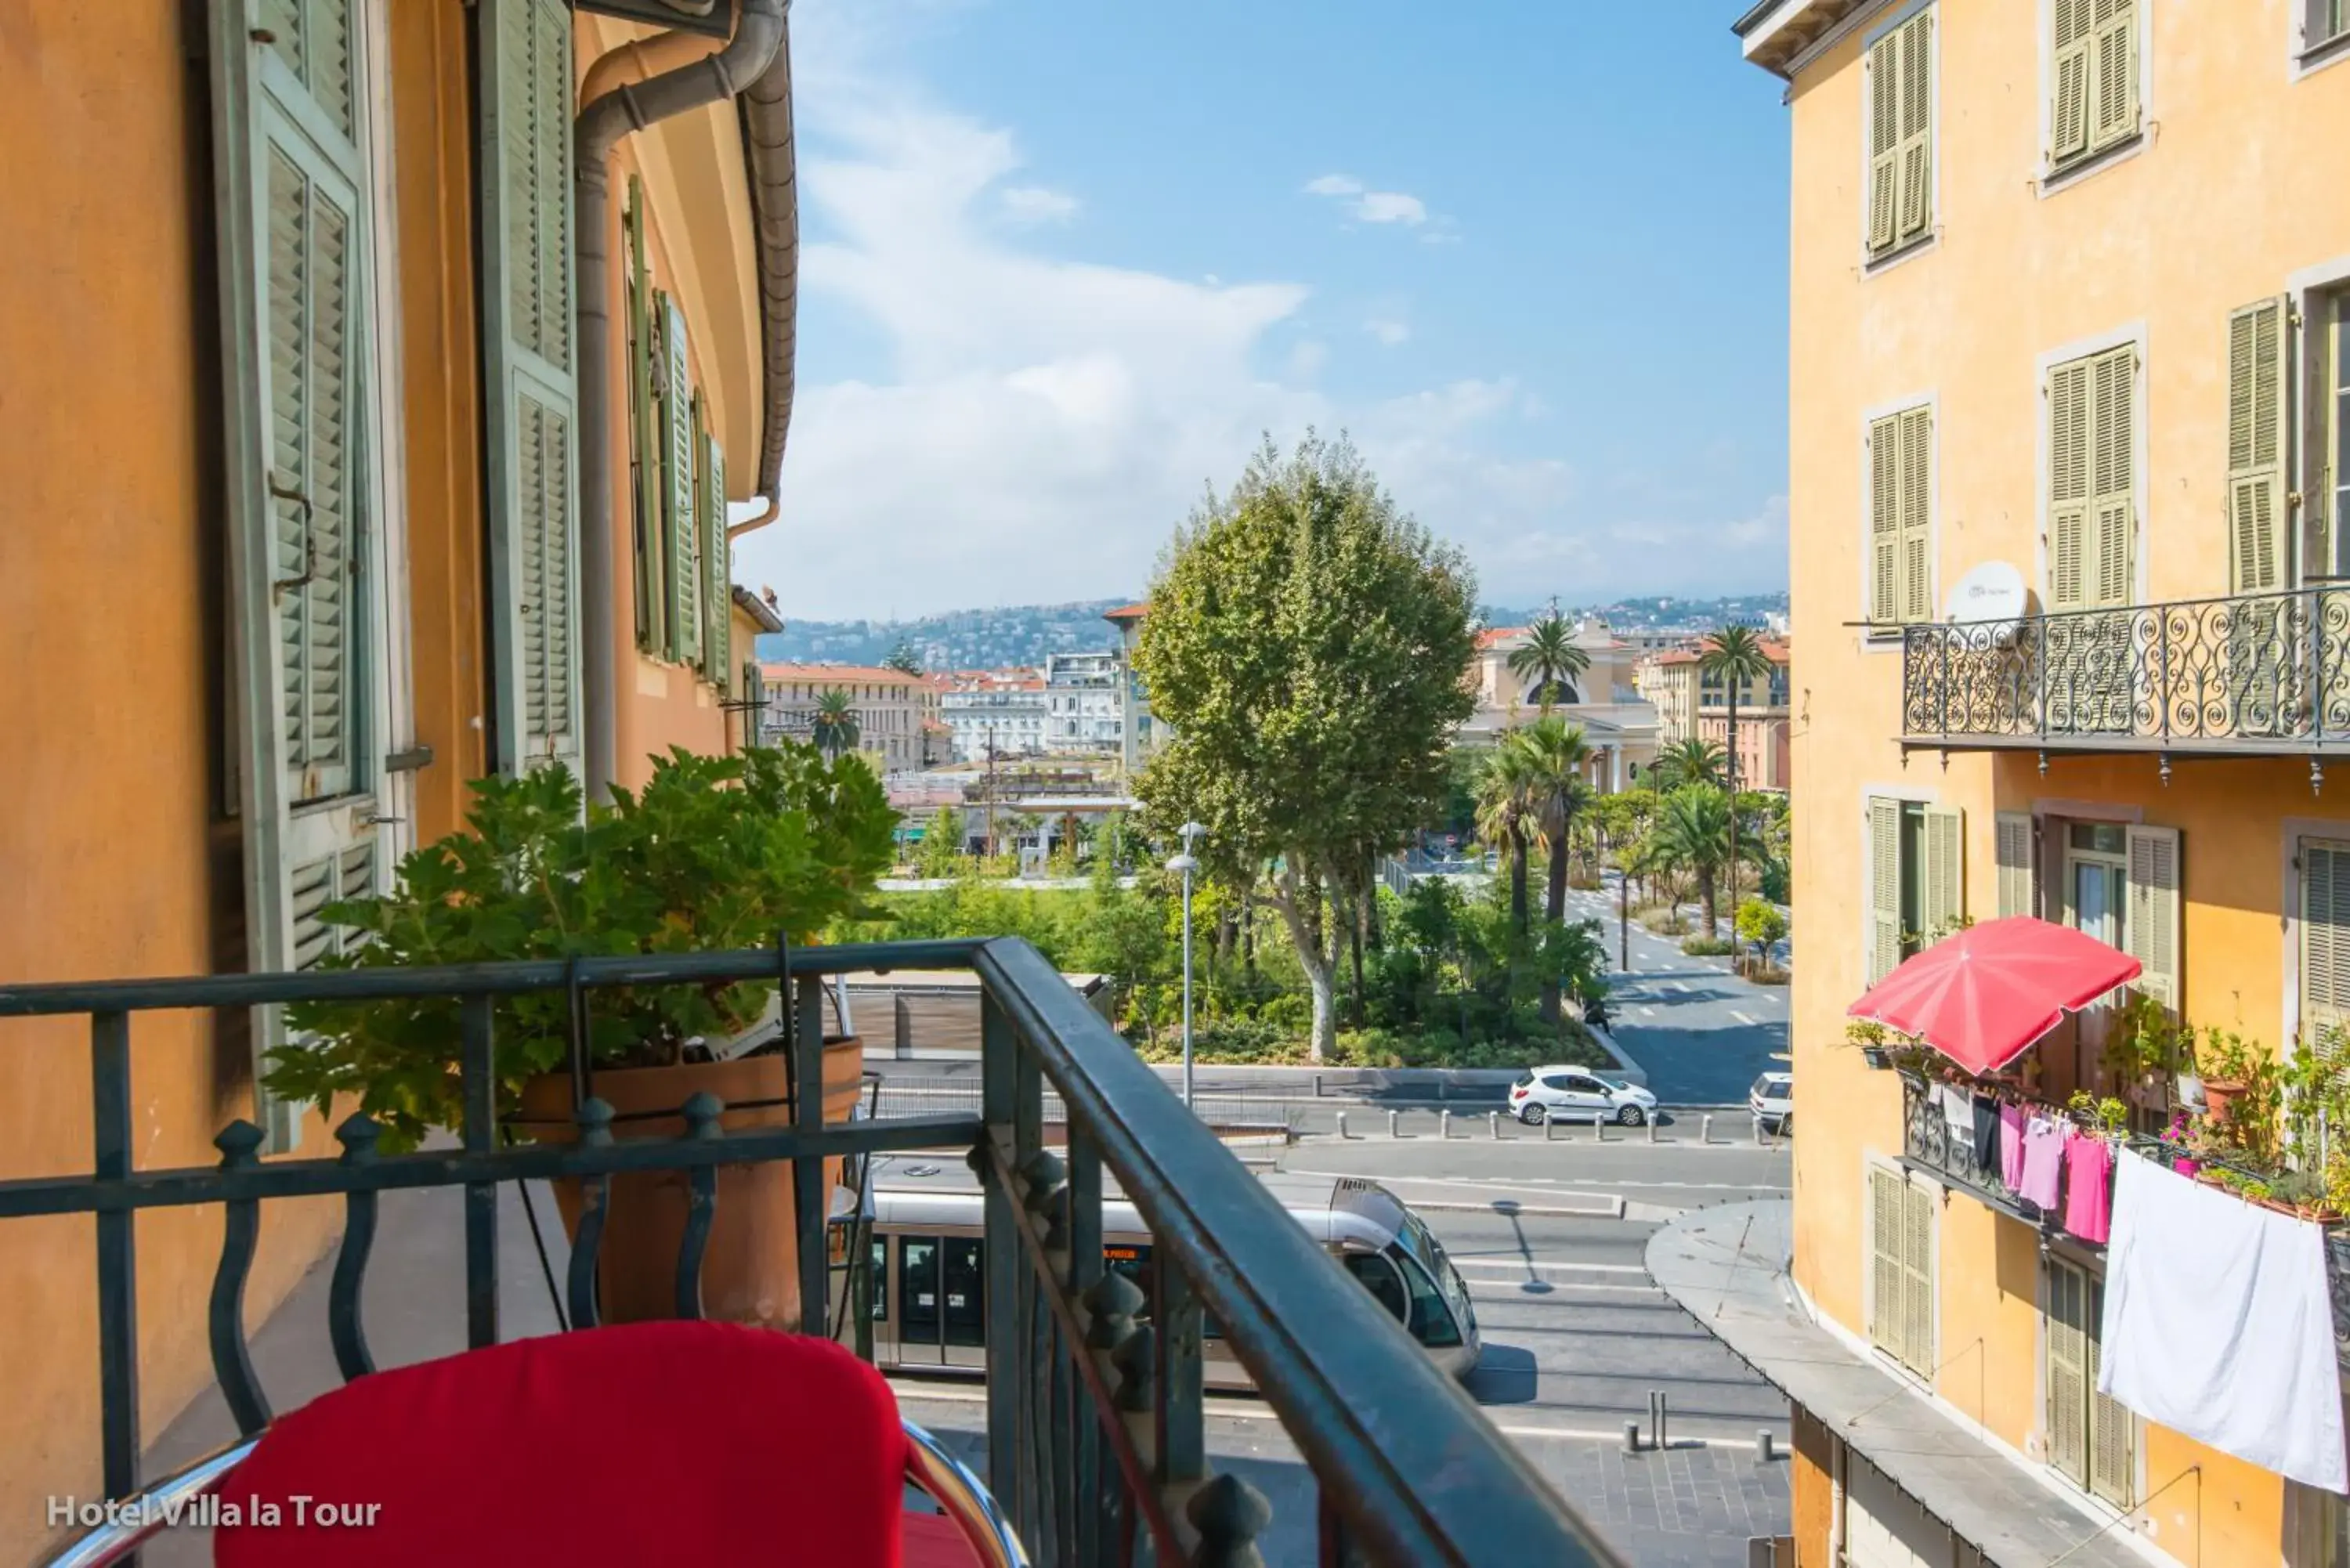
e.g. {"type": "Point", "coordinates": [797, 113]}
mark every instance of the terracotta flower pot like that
{"type": "Point", "coordinates": [2218, 1094]}
{"type": "Point", "coordinates": [750, 1270]}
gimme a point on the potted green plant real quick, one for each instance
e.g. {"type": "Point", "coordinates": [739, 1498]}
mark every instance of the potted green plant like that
{"type": "Point", "coordinates": [713, 854]}
{"type": "Point", "coordinates": [1869, 1037]}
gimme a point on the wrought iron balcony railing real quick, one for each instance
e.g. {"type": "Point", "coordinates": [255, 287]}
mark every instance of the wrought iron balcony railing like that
{"type": "Point", "coordinates": [2251, 675]}
{"type": "Point", "coordinates": [1095, 1423]}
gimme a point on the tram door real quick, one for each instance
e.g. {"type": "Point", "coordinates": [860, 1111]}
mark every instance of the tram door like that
{"type": "Point", "coordinates": [941, 1302]}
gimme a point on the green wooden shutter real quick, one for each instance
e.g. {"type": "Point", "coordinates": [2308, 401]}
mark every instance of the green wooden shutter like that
{"type": "Point", "coordinates": [1916, 502]}
{"type": "Point", "coordinates": [529, 375]}
{"type": "Point", "coordinates": [2068, 115]}
{"type": "Point", "coordinates": [2066, 1338]}
{"type": "Point", "coordinates": [2151, 922]}
{"type": "Point", "coordinates": [2256, 415]}
{"type": "Point", "coordinates": [297, 283]}
{"type": "Point", "coordinates": [682, 524]}
{"type": "Point", "coordinates": [644, 437]}
{"type": "Point", "coordinates": [2112, 1427]}
{"type": "Point", "coordinates": [1888, 1315]}
{"type": "Point", "coordinates": [1916, 152]}
{"type": "Point", "coordinates": [1946, 868]}
{"type": "Point", "coordinates": [2013, 831]}
{"type": "Point", "coordinates": [2325, 936]}
{"type": "Point", "coordinates": [2068, 485]}
{"type": "Point", "coordinates": [718, 619]}
{"type": "Point", "coordinates": [2113, 475]}
{"type": "Point", "coordinates": [2113, 71]}
{"type": "Point", "coordinates": [1918, 1265]}
{"type": "Point", "coordinates": [1884, 521]}
{"type": "Point", "coordinates": [1884, 142]}
{"type": "Point", "coordinates": [1884, 887]}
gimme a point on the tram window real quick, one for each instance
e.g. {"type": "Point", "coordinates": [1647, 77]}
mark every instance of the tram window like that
{"type": "Point", "coordinates": [878, 1289]}
{"type": "Point", "coordinates": [1134, 1261]}
{"type": "Point", "coordinates": [1432, 1320]}
{"type": "Point", "coordinates": [1378, 1276]}
{"type": "Point", "coordinates": [965, 1282]}
{"type": "Point", "coordinates": [918, 1289]}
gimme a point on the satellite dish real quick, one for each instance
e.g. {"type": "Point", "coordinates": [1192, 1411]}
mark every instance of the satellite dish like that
{"type": "Point", "coordinates": [1992, 591]}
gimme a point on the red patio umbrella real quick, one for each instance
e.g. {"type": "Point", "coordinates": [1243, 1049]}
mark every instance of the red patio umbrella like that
{"type": "Point", "coordinates": [1984, 996]}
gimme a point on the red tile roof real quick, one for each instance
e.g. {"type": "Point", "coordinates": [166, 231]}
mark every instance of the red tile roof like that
{"type": "Point", "coordinates": [1495, 636]}
{"type": "Point", "coordinates": [839, 673]}
{"type": "Point", "coordinates": [1127, 612]}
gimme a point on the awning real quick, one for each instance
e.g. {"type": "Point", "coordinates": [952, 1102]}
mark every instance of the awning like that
{"type": "Point", "coordinates": [1985, 995]}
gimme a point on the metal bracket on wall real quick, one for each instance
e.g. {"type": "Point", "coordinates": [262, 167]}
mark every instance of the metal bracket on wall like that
{"type": "Point", "coordinates": [408, 761]}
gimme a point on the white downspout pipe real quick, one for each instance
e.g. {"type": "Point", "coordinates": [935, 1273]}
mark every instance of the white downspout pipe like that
{"type": "Point", "coordinates": [603, 121]}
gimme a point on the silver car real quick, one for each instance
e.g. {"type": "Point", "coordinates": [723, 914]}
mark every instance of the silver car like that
{"type": "Point", "coordinates": [1574, 1093]}
{"type": "Point", "coordinates": [1773, 1101]}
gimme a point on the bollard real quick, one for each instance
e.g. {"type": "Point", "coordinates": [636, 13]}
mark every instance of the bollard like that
{"type": "Point", "coordinates": [1762, 1445]}
{"type": "Point", "coordinates": [1664, 1421]}
{"type": "Point", "coordinates": [1631, 1437]}
{"type": "Point", "coordinates": [1550, 1128]}
{"type": "Point", "coordinates": [1494, 1124]}
{"type": "Point", "coordinates": [1651, 1124]}
{"type": "Point", "coordinates": [1391, 1125]}
{"type": "Point", "coordinates": [1444, 1122]}
{"type": "Point", "coordinates": [1342, 1127]}
{"type": "Point", "coordinates": [1656, 1419]}
{"type": "Point", "coordinates": [1705, 1130]}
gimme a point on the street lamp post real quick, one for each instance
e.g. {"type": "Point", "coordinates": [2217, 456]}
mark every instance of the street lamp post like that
{"type": "Point", "coordinates": [1187, 863]}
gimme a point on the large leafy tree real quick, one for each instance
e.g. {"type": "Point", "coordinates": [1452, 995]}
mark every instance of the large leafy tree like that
{"type": "Point", "coordinates": [1550, 661]}
{"type": "Point", "coordinates": [1555, 755]}
{"type": "Point", "coordinates": [1305, 644]}
{"type": "Point", "coordinates": [1735, 655]}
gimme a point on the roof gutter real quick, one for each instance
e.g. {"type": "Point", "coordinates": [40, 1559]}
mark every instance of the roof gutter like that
{"type": "Point", "coordinates": [603, 121]}
{"type": "Point", "coordinates": [766, 111]}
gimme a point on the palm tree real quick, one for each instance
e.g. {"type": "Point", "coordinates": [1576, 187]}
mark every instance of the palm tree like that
{"type": "Point", "coordinates": [1693, 831]}
{"type": "Point", "coordinates": [1688, 761]}
{"type": "Point", "coordinates": [1554, 755]}
{"type": "Point", "coordinates": [1734, 654]}
{"type": "Point", "coordinates": [1550, 661]}
{"type": "Point", "coordinates": [1504, 813]}
{"type": "Point", "coordinates": [833, 724]}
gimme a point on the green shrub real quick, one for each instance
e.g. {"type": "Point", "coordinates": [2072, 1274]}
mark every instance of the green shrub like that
{"type": "Point", "coordinates": [1707, 946]}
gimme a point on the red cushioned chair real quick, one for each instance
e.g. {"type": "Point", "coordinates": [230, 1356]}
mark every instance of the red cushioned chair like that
{"type": "Point", "coordinates": [656, 1443]}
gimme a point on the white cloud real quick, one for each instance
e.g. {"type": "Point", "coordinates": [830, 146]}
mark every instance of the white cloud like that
{"type": "Point", "coordinates": [1367, 205]}
{"type": "Point", "coordinates": [1387, 329]}
{"type": "Point", "coordinates": [1040, 423]}
{"type": "Point", "coordinates": [1037, 205]}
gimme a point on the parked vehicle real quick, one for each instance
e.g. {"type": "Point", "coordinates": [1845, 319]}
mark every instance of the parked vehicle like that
{"type": "Point", "coordinates": [1773, 1101]}
{"type": "Point", "coordinates": [1576, 1094]}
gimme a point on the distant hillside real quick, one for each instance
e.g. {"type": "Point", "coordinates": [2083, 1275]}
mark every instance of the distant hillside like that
{"type": "Point", "coordinates": [959, 639]}
{"type": "Point", "coordinates": [1025, 634]}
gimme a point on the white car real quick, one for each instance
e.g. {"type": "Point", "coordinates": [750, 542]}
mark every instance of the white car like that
{"type": "Point", "coordinates": [1572, 1094]}
{"type": "Point", "coordinates": [1773, 1101]}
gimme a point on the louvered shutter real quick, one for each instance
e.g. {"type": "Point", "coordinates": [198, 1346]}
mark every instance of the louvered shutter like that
{"type": "Point", "coordinates": [1917, 499]}
{"type": "Point", "coordinates": [2113, 71]}
{"type": "Point", "coordinates": [1884, 521]}
{"type": "Point", "coordinates": [645, 441]}
{"type": "Point", "coordinates": [2150, 924]}
{"type": "Point", "coordinates": [2325, 936]}
{"type": "Point", "coordinates": [2256, 417]}
{"type": "Point", "coordinates": [295, 281]}
{"type": "Point", "coordinates": [2067, 1372]}
{"type": "Point", "coordinates": [1918, 1265]}
{"type": "Point", "coordinates": [2013, 832]}
{"type": "Point", "coordinates": [529, 375]}
{"type": "Point", "coordinates": [2068, 483]}
{"type": "Point", "coordinates": [2113, 475]}
{"type": "Point", "coordinates": [718, 618]}
{"type": "Point", "coordinates": [1888, 1319]}
{"type": "Point", "coordinates": [2112, 1428]}
{"type": "Point", "coordinates": [1945, 862]}
{"type": "Point", "coordinates": [1883, 887]}
{"type": "Point", "coordinates": [1883, 142]}
{"type": "Point", "coordinates": [680, 412]}
{"type": "Point", "coordinates": [1916, 153]}
{"type": "Point", "coordinates": [2068, 115]}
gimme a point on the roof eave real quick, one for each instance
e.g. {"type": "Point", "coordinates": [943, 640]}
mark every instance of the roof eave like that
{"type": "Point", "coordinates": [1778, 34]}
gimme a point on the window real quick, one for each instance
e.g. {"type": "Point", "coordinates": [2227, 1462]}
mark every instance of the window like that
{"type": "Point", "coordinates": [1899, 88]}
{"type": "Point", "coordinates": [1917, 879]}
{"type": "Point", "coordinates": [1900, 518]}
{"type": "Point", "coordinates": [2120, 885]}
{"type": "Point", "coordinates": [2091, 1440]}
{"type": "Point", "coordinates": [1901, 1233]}
{"type": "Point", "coordinates": [2093, 79]}
{"type": "Point", "coordinates": [2259, 557]}
{"type": "Point", "coordinates": [2323, 22]}
{"type": "Point", "coordinates": [2092, 479]}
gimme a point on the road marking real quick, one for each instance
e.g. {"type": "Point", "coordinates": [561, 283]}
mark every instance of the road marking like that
{"type": "Point", "coordinates": [1742, 1018]}
{"type": "Point", "coordinates": [1540, 1266]}
{"type": "Point", "coordinates": [1605, 1198]}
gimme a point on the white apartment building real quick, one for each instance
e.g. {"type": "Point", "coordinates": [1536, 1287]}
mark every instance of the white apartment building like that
{"type": "Point", "coordinates": [1002, 709]}
{"type": "Point", "coordinates": [1084, 704]}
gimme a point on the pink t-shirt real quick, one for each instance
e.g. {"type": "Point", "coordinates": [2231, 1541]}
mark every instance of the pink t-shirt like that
{"type": "Point", "coordinates": [2088, 1204]}
{"type": "Point", "coordinates": [2010, 1146]}
{"type": "Point", "coordinates": [2043, 1159]}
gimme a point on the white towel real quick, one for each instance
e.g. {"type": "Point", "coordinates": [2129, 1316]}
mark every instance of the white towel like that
{"type": "Point", "coordinates": [2218, 1325]}
{"type": "Point", "coordinates": [1958, 1112]}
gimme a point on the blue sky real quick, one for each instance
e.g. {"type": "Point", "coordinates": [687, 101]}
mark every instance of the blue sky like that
{"type": "Point", "coordinates": [1065, 261]}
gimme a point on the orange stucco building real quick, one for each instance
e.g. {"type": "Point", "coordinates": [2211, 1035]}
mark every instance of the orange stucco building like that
{"type": "Point", "coordinates": [315, 520]}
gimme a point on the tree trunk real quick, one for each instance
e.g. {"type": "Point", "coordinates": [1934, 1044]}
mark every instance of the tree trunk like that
{"type": "Point", "coordinates": [1248, 936]}
{"type": "Point", "coordinates": [1729, 771]}
{"type": "Point", "coordinates": [1554, 913]}
{"type": "Point", "coordinates": [1705, 899]}
{"type": "Point", "coordinates": [1355, 941]}
{"type": "Point", "coordinates": [1518, 879]}
{"type": "Point", "coordinates": [1309, 933]}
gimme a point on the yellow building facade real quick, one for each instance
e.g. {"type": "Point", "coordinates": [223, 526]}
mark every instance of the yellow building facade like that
{"type": "Point", "coordinates": [308, 531]}
{"type": "Point", "coordinates": [2069, 337]}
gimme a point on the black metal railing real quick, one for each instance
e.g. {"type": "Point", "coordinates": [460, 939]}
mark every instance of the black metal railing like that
{"type": "Point", "coordinates": [1929, 1142]}
{"type": "Point", "coordinates": [2250, 674]}
{"type": "Point", "coordinates": [1095, 1440]}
